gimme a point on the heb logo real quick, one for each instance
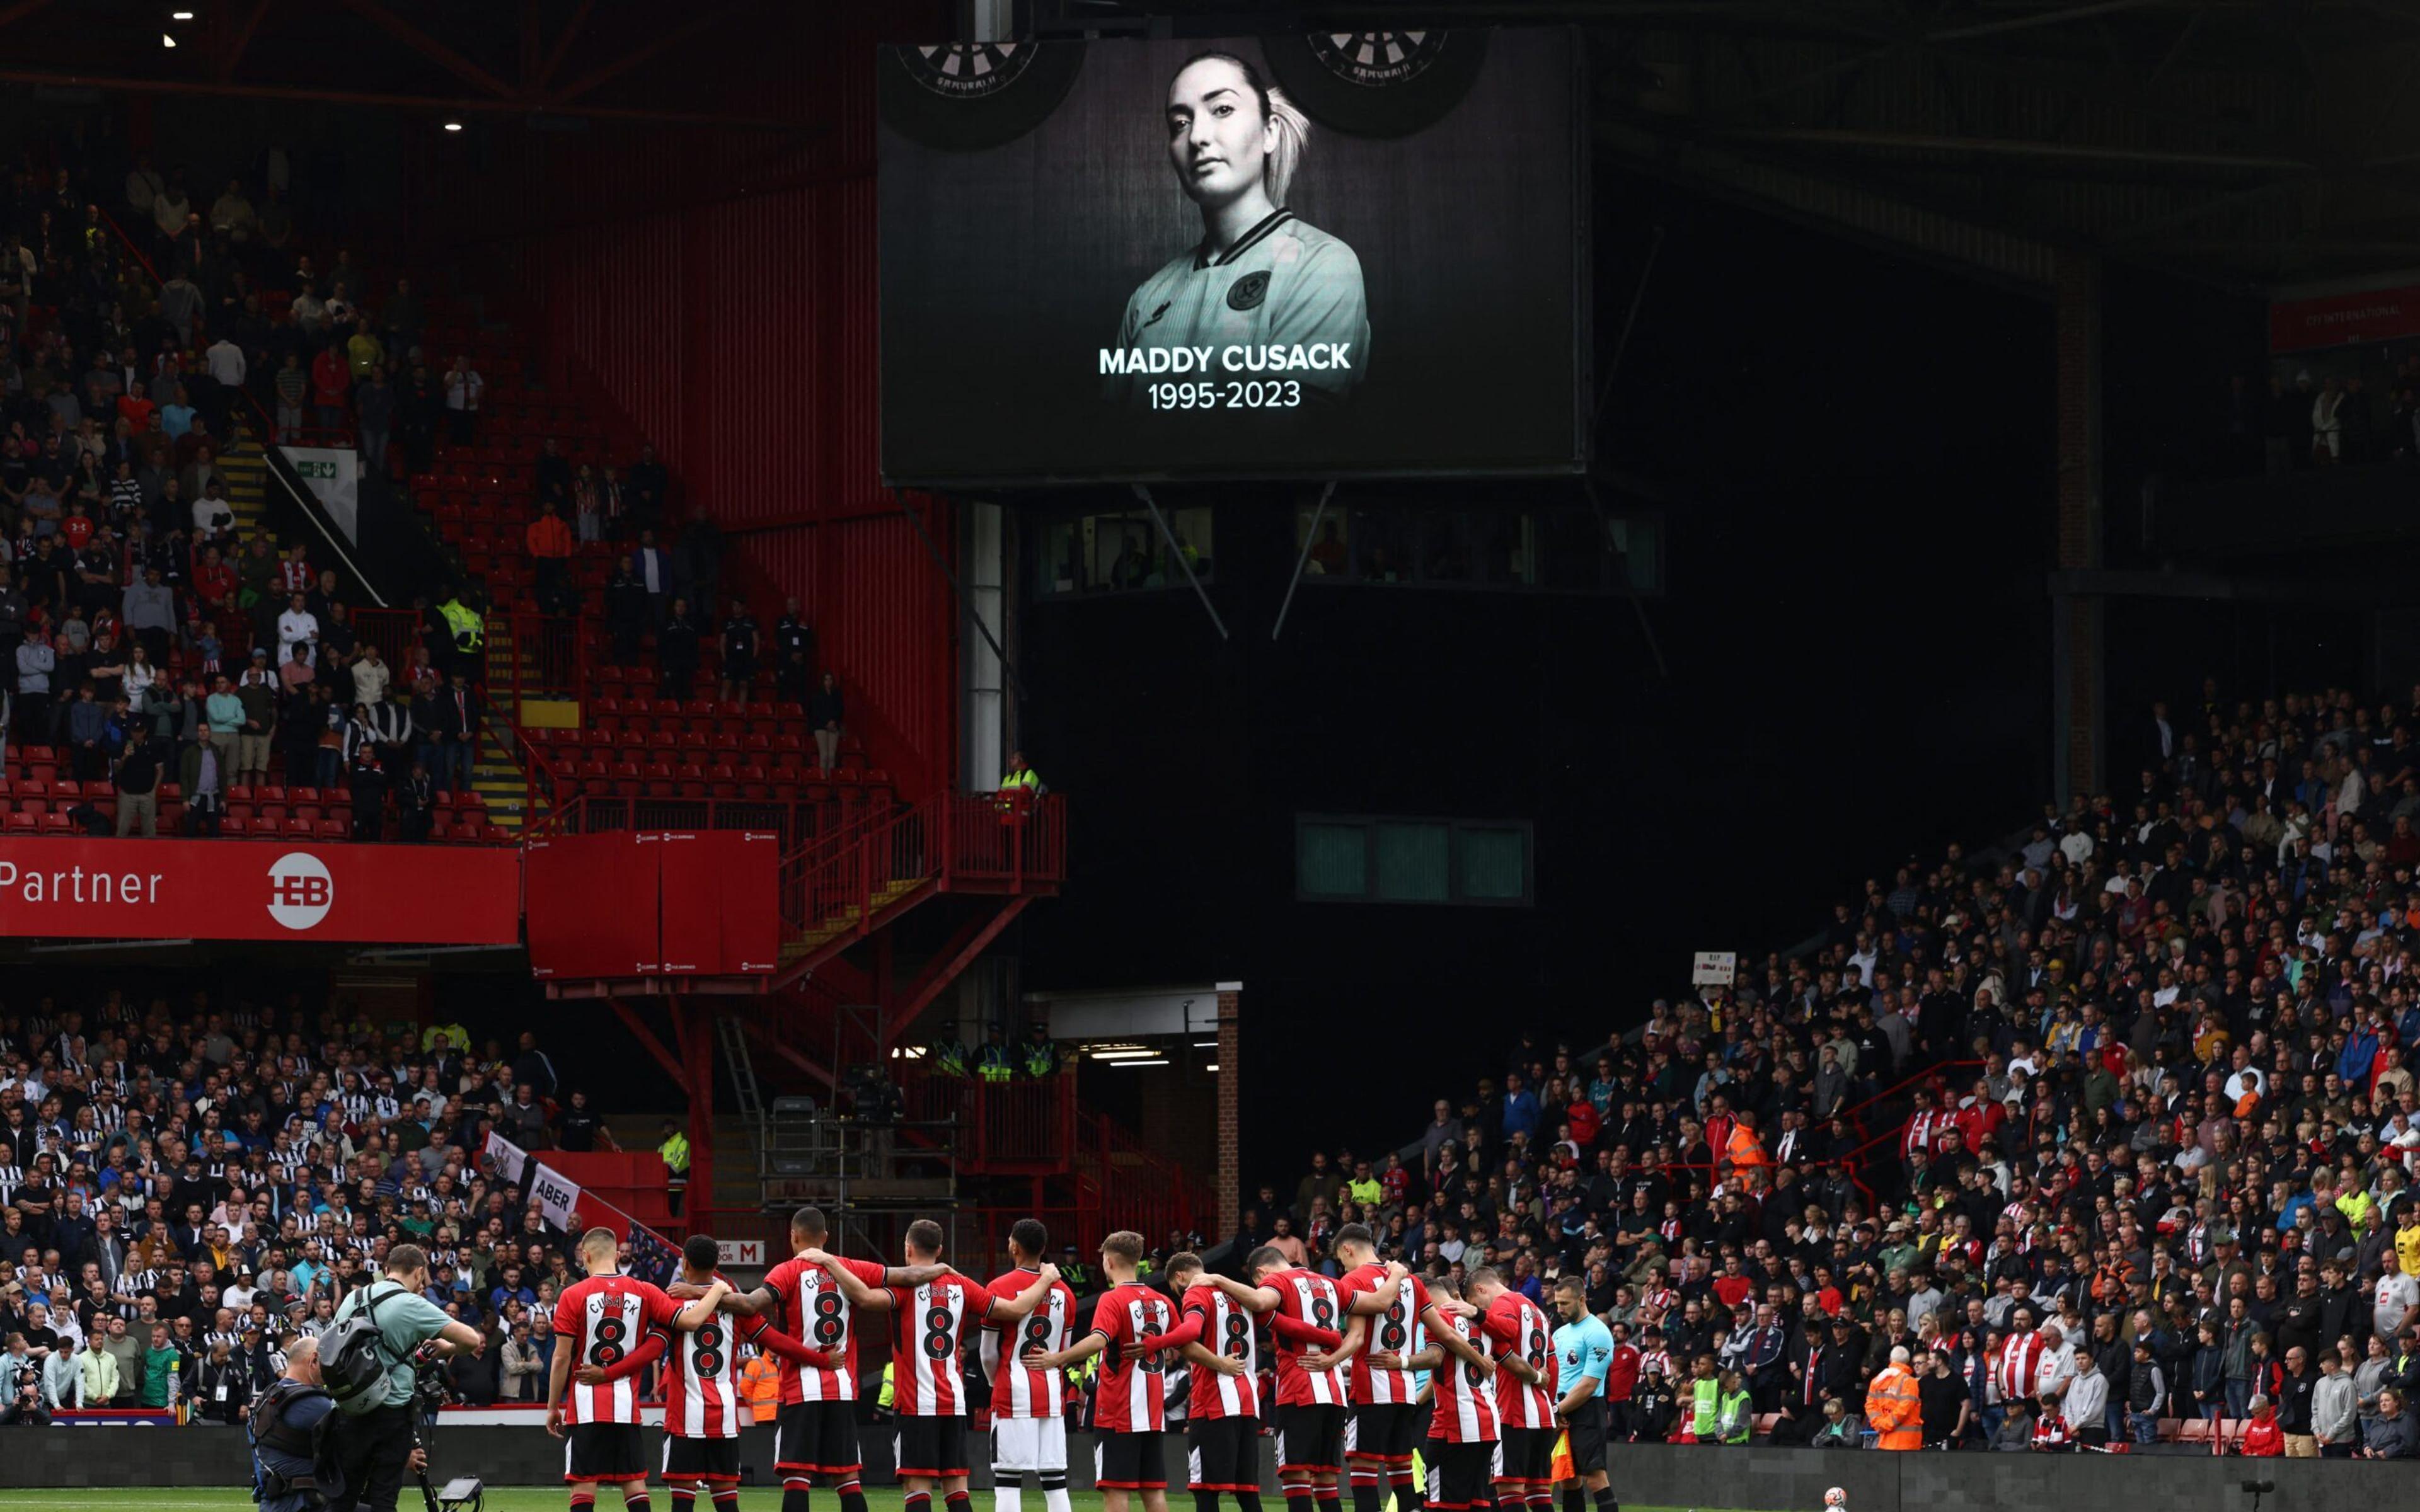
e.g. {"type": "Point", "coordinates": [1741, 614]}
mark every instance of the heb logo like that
{"type": "Point", "coordinates": [301, 892]}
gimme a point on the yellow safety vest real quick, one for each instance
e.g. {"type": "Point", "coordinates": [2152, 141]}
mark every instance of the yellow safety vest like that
{"type": "Point", "coordinates": [1027, 778]}
{"type": "Point", "coordinates": [675, 1153]}
{"type": "Point", "coordinates": [469, 630]}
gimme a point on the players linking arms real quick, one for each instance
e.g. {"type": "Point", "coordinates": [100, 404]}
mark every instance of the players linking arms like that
{"type": "Point", "coordinates": [1503, 1331]}
{"type": "Point", "coordinates": [1265, 1297]}
{"type": "Point", "coordinates": [1000, 1309]}
{"type": "Point", "coordinates": [807, 1232]}
{"type": "Point", "coordinates": [704, 1284]}
{"type": "Point", "coordinates": [1120, 1268]}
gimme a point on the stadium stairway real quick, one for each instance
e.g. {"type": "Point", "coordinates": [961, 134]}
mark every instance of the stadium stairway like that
{"type": "Point", "coordinates": [246, 473]}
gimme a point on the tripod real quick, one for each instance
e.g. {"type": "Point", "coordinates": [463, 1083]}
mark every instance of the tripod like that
{"type": "Point", "coordinates": [463, 1493]}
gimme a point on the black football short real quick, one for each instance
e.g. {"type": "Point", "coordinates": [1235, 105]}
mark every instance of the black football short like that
{"type": "Point", "coordinates": [1129, 1462]}
{"type": "Point", "coordinates": [933, 1446]}
{"type": "Point", "coordinates": [1385, 1430]}
{"type": "Point", "coordinates": [603, 1451]}
{"type": "Point", "coordinates": [1310, 1436]}
{"type": "Point", "coordinates": [1525, 1455]}
{"type": "Point", "coordinates": [1588, 1437]}
{"type": "Point", "coordinates": [816, 1438]}
{"type": "Point", "coordinates": [707, 1459]}
{"type": "Point", "coordinates": [1458, 1476]}
{"type": "Point", "coordinates": [1222, 1454]}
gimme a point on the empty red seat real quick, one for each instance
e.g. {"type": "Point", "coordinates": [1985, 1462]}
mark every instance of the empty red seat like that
{"type": "Point", "coordinates": [329, 829]}
{"type": "Point", "coordinates": [22, 823]}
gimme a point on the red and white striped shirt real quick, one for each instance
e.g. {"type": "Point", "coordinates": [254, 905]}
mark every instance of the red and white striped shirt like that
{"type": "Point", "coordinates": [1226, 1329]}
{"type": "Point", "coordinates": [1516, 1323]}
{"type": "Point", "coordinates": [702, 1378]}
{"type": "Point", "coordinates": [604, 1318]}
{"type": "Point", "coordinates": [2019, 1367]}
{"type": "Point", "coordinates": [927, 1323]}
{"type": "Point", "coordinates": [1391, 1332]}
{"type": "Point", "coordinates": [1130, 1393]}
{"type": "Point", "coordinates": [1466, 1400]}
{"type": "Point", "coordinates": [816, 1314]}
{"type": "Point", "coordinates": [1307, 1297]}
{"type": "Point", "coordinates": [1017, 1391]}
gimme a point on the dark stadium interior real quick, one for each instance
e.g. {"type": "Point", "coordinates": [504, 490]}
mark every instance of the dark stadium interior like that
{"type": "Point", "coordinates": [579, 714]}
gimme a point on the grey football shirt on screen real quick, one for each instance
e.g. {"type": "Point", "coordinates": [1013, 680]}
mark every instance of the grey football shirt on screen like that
{"type": "Point", "coordinates": [1283, 284]}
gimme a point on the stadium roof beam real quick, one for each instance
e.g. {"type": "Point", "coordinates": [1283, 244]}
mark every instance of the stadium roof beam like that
{"type": "Point", "coordinates": [661, 42]}
{"type": "Point", "coordinates": [238, 37]}
{"type": "Point", "coordinates": [429, 47]}
{"type": "Point", "coordinates": [562, 46]}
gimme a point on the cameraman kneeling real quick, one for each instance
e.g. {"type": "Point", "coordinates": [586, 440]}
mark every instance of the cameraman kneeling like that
{"type": "Point", "coordinates": [374, 1428]}
{"type": "Point", "coordinates": [293, 1462]}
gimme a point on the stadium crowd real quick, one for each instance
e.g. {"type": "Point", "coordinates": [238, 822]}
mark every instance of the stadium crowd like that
{"type": "Point", "coordinates": [182, 1185]}
{"type": "Point", "coordinates": [158, 655]}
{"type": "Point", "coordinates": [2111, 1130]}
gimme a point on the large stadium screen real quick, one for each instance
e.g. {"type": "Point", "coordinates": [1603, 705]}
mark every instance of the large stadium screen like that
{"type": "Point", "coordinates": [1342, 254]}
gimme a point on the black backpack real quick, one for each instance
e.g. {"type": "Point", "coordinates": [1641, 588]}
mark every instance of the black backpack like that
{"type": "Point", "coordinates": [353, 1360]}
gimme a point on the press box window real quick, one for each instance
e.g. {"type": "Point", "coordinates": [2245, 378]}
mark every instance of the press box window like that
{"type": "Point", "coordinates": [1121, 552]}
{"type": "Point", "coordinates": [1358, 859]}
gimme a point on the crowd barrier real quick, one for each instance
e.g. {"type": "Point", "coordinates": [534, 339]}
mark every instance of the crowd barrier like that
{"type": "Point", "coordinates": [1781, 1480]}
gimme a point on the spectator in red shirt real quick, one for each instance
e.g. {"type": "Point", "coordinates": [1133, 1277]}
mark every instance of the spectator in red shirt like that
{"type": "Point", "coordinates": [331, 387]}
{"type": "Point", "coordinates": [137, 410]}
{"type": "Point", "coordinates": [2262, 1438]}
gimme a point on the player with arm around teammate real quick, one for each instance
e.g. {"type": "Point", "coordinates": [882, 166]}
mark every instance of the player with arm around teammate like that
{"type": "Point", "coordinates": [815, 1432]}
{"type": "Point", "coordinates": [1130, 1324]}
{"type": "Point", "coordinates": [600, 1322]}
{"type": "Point", "coordinates": [1028, 1424]}
{"type": "Point", "coordinates": [928, 1384]}
{"type": "Point", "coordinates": [1386, 1422]}
{"type": "Point", "coordinates": [1464, 1421]}
{"type": "Point", "coordinates": [1222, 1420]}
{"type": "Point", "coordinates": [1525, 1393]}
{"type": "Point", "coordinates": [1311, 1399]}
{"type": "Point", "coordinates": [703, 1408]}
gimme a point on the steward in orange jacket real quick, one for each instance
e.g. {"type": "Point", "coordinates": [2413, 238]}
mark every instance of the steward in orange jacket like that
{"type": "Point", "coordinates": [1892, 1407]}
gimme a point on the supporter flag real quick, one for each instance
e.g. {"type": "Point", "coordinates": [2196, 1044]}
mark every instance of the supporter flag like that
{"type": "Point", "coordinates": [556, 1195]}
{"type": "Point", "coordinates": [506, 1159]}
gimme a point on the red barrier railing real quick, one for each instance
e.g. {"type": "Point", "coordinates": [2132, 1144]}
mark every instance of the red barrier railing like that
{"type": "Point", "coordinates": [1024, 1122]}
{"type": "Point", "coordinates": [397, 632]}
{"type": "Point", "coordinates": [543, 656]}
{"type": "Point", "coordinates": [839, 885]}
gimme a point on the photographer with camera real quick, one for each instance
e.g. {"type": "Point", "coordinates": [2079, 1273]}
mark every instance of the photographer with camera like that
{"type": "Point", "coordinates": [385, 1334]}
{"type": "Point", "coordinates": [293, 1458]}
